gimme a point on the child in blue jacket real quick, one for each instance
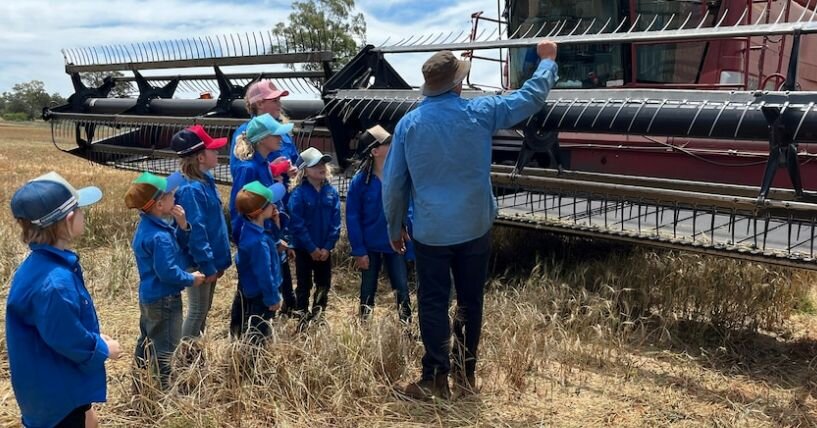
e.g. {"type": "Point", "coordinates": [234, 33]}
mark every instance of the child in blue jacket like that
{"type": "Point", "coordinates": [314, 208]}
{"type": "Point", "coordinates": [161, 268]}
{"type": "Point", "coordinates": [257, 262]}
{"type": "Point", "coordinates": [263, 138]}
{"type": "Point", "coordinates": [209, 243]}
{"type": "Point", "coordinates": [367, 229]}
{"type": "Point", "coordinates": [56, 353]}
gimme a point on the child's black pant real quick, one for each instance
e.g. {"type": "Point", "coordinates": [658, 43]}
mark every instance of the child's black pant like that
{"type": "Point", "coordinates": [305, 267]}
{"type": "Point", "coordinates": [249, 315]}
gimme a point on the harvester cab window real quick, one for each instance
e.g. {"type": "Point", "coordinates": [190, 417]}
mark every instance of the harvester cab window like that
{"type": "Point", "coordinates": [671, 62]}
{"type": "Point", "coordinates": [580, 66]}
{"type": "Point", "coordinates": [603, 65]}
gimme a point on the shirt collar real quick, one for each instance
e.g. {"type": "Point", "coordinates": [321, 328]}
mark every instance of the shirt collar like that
{"type": "Point", "coordinates": [158, 221]}
{"type": "Point", "coordinates": [442, 97]}
{"type": "Point", "coordinates": [69, 257]}
{"type": "Point", "coordinates": [256, 157]}
{"type": "Point", "coordinates": [250, 226]}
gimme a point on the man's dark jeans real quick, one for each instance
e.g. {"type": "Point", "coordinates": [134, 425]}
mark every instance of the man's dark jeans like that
{"type": "Point", "coordinates": [468, 264]}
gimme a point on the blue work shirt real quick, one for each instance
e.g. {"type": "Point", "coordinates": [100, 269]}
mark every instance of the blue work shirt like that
{"type": "Point", "coordinates": [209, 243]}
{"type": "Point", "coordinates": [159, 259]}
{"type": "Point", "coordinates": [256, 168]}
{"type": "Point", "coordinates": [440, 158]}
{"type": "Point", "coordinates": [365, 219]}
{"type": "Point", "coordinates": [258, 265]}
{"type": "Point", "coordinates": [56, 355]}
{"type": "Point", "coordinates": [314, 217]}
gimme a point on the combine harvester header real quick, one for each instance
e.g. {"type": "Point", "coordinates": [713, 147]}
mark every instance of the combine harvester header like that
{"type": "Point", "coordinates": [657, 199]}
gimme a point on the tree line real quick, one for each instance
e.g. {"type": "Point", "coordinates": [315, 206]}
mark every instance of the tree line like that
{"type": "Point", "coordinates": [26, 100]}
{"type": "Point", "coordinates": [334, 22]}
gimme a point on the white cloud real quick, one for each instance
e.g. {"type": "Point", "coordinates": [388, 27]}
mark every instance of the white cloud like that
{"type": "Point", "coordinates": [33, 32]}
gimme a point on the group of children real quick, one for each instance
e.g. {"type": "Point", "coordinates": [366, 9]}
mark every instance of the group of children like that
{"type": "Point", "coordinates": [182, 242]}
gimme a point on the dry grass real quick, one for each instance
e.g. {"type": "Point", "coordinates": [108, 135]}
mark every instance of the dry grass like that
{"type": "Point", "coordinates": [576, 334]}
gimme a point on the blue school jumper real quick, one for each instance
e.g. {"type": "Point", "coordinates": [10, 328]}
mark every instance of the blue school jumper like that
{"type": "Point", "coordinates": [56, 355]}
{"type": "Point", "coordinates": [209, 243]}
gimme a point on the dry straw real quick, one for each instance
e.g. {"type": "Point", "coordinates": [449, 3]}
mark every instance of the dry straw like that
{"type": "Point", "coordinates": [576, 333]}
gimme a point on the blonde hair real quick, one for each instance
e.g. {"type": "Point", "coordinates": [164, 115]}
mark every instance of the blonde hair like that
{"type": "Point", "coordinates": [190, 167]}
{"type": "Point", "coordinates": [33, 234]}
{"type": "Point", "coordinates": [299, 178]}
{"type": "Point", "coordinates": [244, 150]}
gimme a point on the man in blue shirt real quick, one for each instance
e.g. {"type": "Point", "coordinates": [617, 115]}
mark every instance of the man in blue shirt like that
{"type": "Point", "coordinates": [441, 159]}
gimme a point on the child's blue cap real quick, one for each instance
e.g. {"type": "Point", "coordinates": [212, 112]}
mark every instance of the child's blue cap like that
{"type": "Point", "coordinates": [49, 198]}
{"type": "Point", "coordinates": [263, 126]}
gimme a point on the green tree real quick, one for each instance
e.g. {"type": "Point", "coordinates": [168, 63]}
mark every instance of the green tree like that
{"type": "Point", "coordinates": [95, 79]}
{"type": "Point", "coordinates": [28, 99]}
{"type": "Point", "coordinates": [329, 25]}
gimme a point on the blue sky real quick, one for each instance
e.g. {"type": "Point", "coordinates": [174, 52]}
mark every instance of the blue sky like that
{"type": "Point", "coordinates": [32, 32]}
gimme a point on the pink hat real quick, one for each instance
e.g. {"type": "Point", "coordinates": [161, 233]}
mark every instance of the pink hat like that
{"type": "Point", "coordinates": [264, 90]}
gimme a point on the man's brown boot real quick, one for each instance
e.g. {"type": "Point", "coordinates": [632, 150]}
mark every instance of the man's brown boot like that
{"type": "Point", "coordinates": [427, 389]}
{"type": "Point", "coordinates": [465, 383]}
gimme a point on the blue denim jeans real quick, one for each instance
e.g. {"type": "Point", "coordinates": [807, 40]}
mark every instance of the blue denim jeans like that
{"type": "Point", "coordinates": [199, 301]}
{"type": "Point", "coordinates": [160, 331]}
{"type": "Point", "coordinates": [395, 265]}
{"type": "Point", "coordinates": [467, 263]}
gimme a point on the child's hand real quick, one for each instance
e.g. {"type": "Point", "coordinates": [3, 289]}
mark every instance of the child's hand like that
{"type": "Point", "coordinates": [114, 351]}
{"type": "Point", "coordinates": [362, 262]}
{"type": "Point", "coordinates": [290, 254]}
{"type": "Point", "coordinates": [293, 171]}
{"type": "Point", "coordinates": [198, 278]}
{"type": "Point", "coordinates": [178, 214]}
{"type": "Point", "coordinates": [276, 216]}
{"type": "Point", "coordinates": [275, 307]}
{"type": "Point", "coordinates": [324, 254]}
{"type": "Point", "coordinates": [316, 255]}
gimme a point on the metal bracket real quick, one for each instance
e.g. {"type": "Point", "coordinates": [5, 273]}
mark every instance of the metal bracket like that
{"type": "Point", "coordinates": [791, 75]}
{"type": "Point", "coordinates": [149, 92]}
{"type": "Point", "coordinates": [76, 104]}
{"type": "Point", "coordinates": [782, 153]}
{"type": "Point", "coordinates": [358, 74]}
{"type": "Point", "coordinates": [227, 93]}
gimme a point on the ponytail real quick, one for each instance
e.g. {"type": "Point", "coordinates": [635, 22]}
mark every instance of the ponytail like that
{"type": "Point", "coordinates": [297, 180]}
{"type": "Point", "coordinates": [244, 150]}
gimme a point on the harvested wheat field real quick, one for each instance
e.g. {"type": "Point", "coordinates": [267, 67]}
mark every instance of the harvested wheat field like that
{"type": "Point", "coordinates": [576, 334]}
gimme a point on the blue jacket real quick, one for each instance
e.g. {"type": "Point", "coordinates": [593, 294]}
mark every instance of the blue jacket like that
{"type": "Point", "coordinates": [258, 264]}
{"type": "Point", "coordinates": [234, 161]}
{"type": "Point", "coordinates": [254, 169]}
{"type": "Point", "coordinates": [287, 150]}
{"type": "Point", "coordinates": [314, 217]}
{"type": "Point", "coordinates": [365, 219]}
{"type": "Point", "coordinates": [56, 355]}
{"type": "Point", "coordinates": [440, 158]}
{"type": "Point", "coordinates": [209, 244]}
{"type": "Point", "coordinates": [159, 259]}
